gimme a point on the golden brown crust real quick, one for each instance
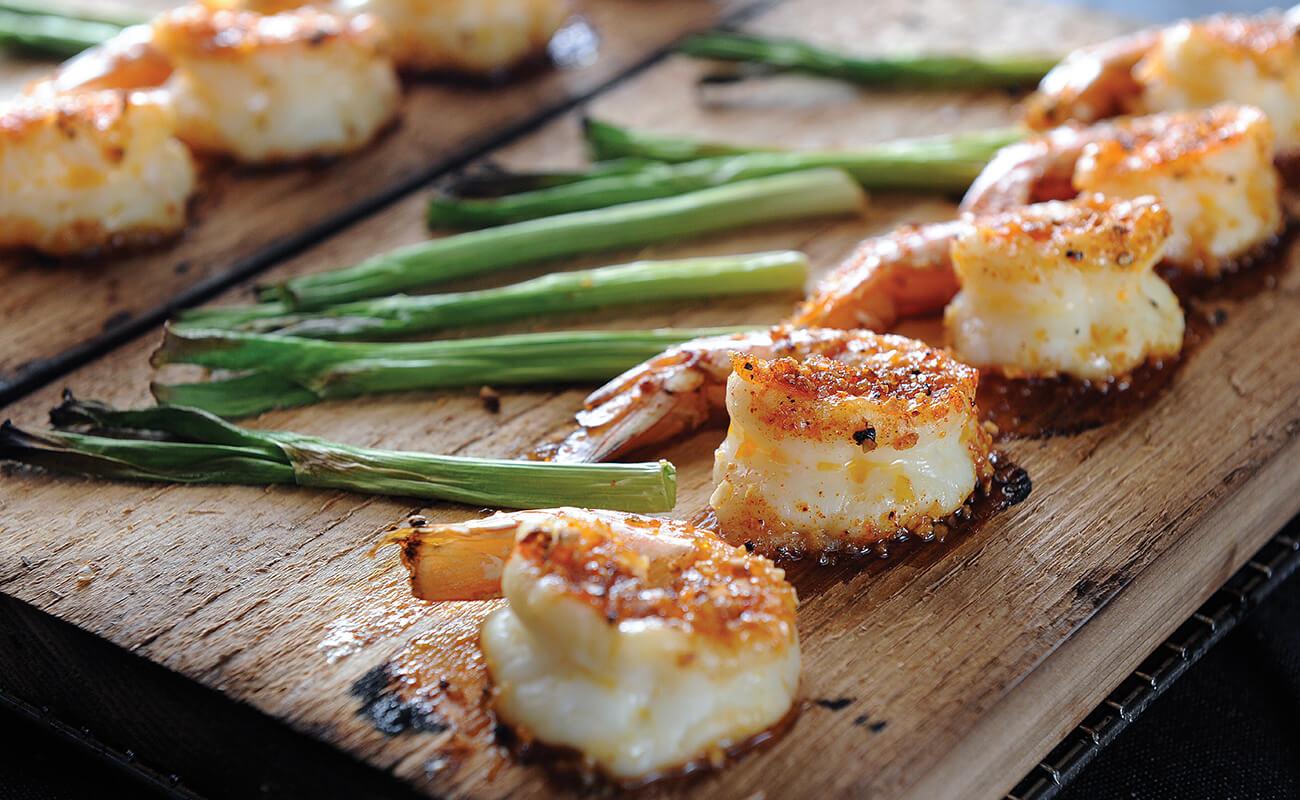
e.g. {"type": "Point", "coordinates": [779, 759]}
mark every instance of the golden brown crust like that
{"type": "Point", "coordinates": [198, 31]}
{"type": "Point", "coordinates": [1143, 144]}
{"type": "Point", "coordinates": [892, 386]}
{"type": "Point", "coordinates": [82, 238]}
{"type": "Point", "coordinates": [704, 585]}
{"type": "Point", "coordinates": [1094, 232]}
{"type": "Point", "coordinates": [758, 526]}
{"type": "Point", "coordinates": [101, 112]}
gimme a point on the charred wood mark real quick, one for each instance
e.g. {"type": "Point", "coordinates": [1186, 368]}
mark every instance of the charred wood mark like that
{"type": "Point", "coordinates": [1011, 484]}
{"type": "Point", "coordinates": [834, 704]}
{"type": "Point", "coordinates": [1099, 585]}
{"type": "Point", "coordinates": [865, 721]}
{"type": "Point", "coordinates": [389, 712]}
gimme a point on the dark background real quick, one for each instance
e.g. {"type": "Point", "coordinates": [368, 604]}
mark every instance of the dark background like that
{"type": "Point", "coordinates": [1229, 728]}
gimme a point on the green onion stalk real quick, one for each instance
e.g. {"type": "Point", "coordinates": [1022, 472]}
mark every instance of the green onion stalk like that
{"type": "Point", "coordinates": [945, 165]}
{"type": "Point", "coordinates": [610, 143]}
{"type": "Point", "coordinates": [639, 283]}
{"type": "Point", "coordinates": [891, 72]}
{"type": "Point", "coordinates": [799, 195]}
{"type": "Point", "coordinates": [51, 35]}
{"type": "Point", "coordinates": [286, 371]}
{"type": "Point", "coordinates": [496, 181]}
{"type": "Point", "coordinates": [172, 444]}
{"type": "Point", "coordinates": [41, 29]}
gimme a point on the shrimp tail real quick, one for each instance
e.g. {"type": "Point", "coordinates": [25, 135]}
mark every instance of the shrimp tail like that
{"type": "Point", "coordinates": [629, 420]}
{"type": "Point", "coordinates": [455, 562]}
{"type": "Point", "coordinates": [902, 274]}
{"type": "Point", "coordinates": [674, 393]}
{"type": "Point", "coordinates": [1091, 84]}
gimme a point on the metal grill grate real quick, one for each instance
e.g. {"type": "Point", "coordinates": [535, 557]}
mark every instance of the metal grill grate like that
{"type": "Point", "coordinates": [1211, 622]}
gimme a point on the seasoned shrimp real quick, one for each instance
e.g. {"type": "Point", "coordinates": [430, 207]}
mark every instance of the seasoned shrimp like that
{"type": "Point", "coordinates": [645, 644]}
{"type": "Point", "coordinates": [1065, 288]}
{"type": "Point", "coordinates": [683, 388]}
{"type": "Point", "coordinates": [1212, 169]}
{"type": "Point", "coordinates": [827, 455]}
{"type": "Point", "coordinates": [90, 171]}
{"type": "Point", "coordinates": [838, 439]}
{"type": "Point", "coordinates": [468, 36]}
{"type": "Point", "coordinates": [258, 87]}
{"type": "Point", "coordinates": [1193, 64]}
{"type": "Point", "coordinates": [267, 88]}
{"type": "Point", "coordinates": [473, 36]}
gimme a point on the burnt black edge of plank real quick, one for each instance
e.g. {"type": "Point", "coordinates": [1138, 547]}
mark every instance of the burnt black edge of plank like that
{"type": "Point", "coordinates": [36, 374]}
{"type": "Point", "coordinates": [173, 736]}
{"type": "Point", "coordinates": [1227, 607]}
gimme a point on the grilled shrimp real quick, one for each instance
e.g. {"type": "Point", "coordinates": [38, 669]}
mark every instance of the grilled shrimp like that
{"type": "Point", "coordinates": [1065, 288]}
{"type": "Point", "coordinates": [90, 171]}
{"type": "Point", "coordinates": [467, 36]}
{"type": "Point", "coordinates": [827, 455]}
{"type": "Point", "coordinates": [1193, 64]}
{"type": "Point", "coordinates": [258, 87]}
{"type": "Point", "coordinates": [266, 88]}
{"type": "Point", "coordinates": [838, 439]}
{"type": "Point", "coordinates": [645, 644]}
{"type": "Point", "coordinates": [1212, 170]}
{"type": "Point", "coordinates": [473, 36]}
{"type": "Point", "coordinates": [682, 389]}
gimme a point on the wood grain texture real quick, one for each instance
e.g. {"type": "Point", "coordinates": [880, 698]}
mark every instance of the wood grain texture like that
{"type": "Point", "coordinates": [975, 654]}
{"type": "Point", "coordinates": [245, 217]}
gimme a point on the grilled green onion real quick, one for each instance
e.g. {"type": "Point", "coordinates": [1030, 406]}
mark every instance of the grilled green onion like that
{"type": "Point", "coordinates": [291, 371]}
{"type": "Point", "coordinates": [640, 283]}
{"type": "Point", "coordinates": [52, 35]}
{"type": "Point", "coordinates": [798, 195]}
{"type": "Point", "coordinates": [892, 72]}
{"type": "Point", "coordinates": [185, 445]}
{"type": "Point", "coordinates": [945, 165]}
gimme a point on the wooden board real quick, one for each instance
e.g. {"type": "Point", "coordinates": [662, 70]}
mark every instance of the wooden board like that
{"type": "Point", "coordinates": [976, 655]}
{"type": "Point", "coordinates": [245, 218]}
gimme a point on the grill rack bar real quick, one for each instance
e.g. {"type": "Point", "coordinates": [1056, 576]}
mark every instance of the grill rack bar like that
{"type": "Point", "coordinates": [1242, 593]}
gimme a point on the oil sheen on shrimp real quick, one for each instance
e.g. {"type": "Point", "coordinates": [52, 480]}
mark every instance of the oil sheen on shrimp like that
{"type": "Point", "coordinates": [1212, 169]}
{"type": "Point", "coordinates": [266, 88]}
{"type": "Point", "coordinates": [90, 171]}
{"type": "Point", "coordinates": [646, 645]}
{"type": "Point", "coordinates": [1065, 288]}
{"type": "Point", "coordinates": [1192, 64]}
{"type": "Point", "coordinates": [837, 454]}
